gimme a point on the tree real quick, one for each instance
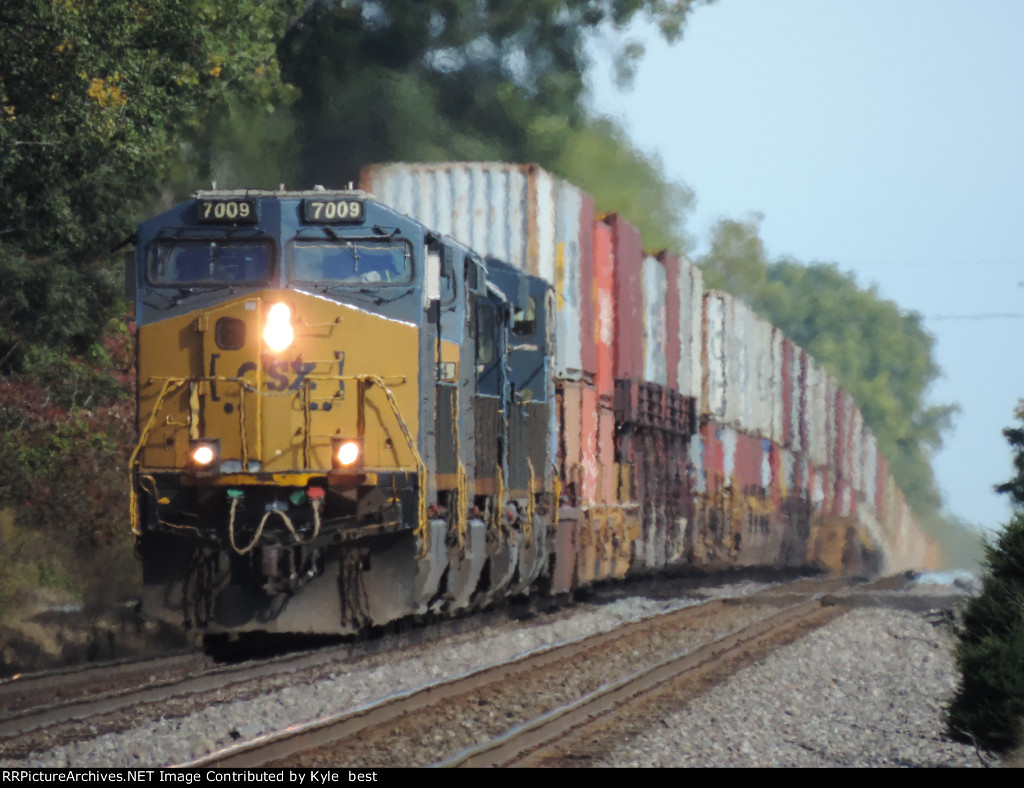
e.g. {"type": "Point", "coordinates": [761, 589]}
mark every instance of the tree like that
{"type": "Point", "coordinates": [989, 703]}
{"type": "Point", "coordinates": [472, 80]}
{"type": "Point", "coordinates": [96, 97]}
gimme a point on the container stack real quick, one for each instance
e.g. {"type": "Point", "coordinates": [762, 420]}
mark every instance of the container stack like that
{"type": "Point", "coordinates": [691, 431]}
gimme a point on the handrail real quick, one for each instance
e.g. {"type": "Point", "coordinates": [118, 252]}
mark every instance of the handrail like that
{"type": "Point", "coordinates": [174, 383]}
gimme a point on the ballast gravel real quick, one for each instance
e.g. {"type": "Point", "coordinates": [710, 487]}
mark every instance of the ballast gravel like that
{"type": "Point", "coordinates": [866, 690]}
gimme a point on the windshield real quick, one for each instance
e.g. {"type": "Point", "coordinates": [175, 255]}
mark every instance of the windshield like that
{"type": "Point", "coordinates": [350, 262]}
{"type": "Point", "coordinates": [209, 262]}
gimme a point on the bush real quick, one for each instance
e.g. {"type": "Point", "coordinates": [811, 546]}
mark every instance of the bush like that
{"type": "Point", "coordinates": [989, 701]}
{"type": "Point", "coordinates": [990, 654]}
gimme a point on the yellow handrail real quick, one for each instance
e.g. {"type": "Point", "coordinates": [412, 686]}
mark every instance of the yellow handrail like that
{"type": "Point", "coordinates": [170, 384]}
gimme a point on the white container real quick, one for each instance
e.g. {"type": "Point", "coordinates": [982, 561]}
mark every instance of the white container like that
{"type": "Point", "coordinates": [715, 336]}
{"type": "Point", "coordinates": [655, 339]}
{"type": "Point", "coordinates": [778, 406]}
{"type": "Point", "coordinates": [518, 213]}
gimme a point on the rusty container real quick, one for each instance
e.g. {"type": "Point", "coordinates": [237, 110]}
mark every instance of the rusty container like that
{"type": "Point", "coordinates": [747, 475]}
{"type": "Point", "coordinates": [713, 457]}
{"type": "Point", "coordinates": [776, 365]}
{"type": "Point", "coordinates": [589, 460]}
{"type": "Point", "coordinates": [628, 257]}
{"type": "Point", "coordinates": [608, 475]}
{"type": "Point", "coordinates": [577, 454]}
{"type": "Point", "coordinates": [728, 439]}
{"type": "Point", "coordinates": [603, 297]}
{"type": "Point", "coordinates": [674, 312]}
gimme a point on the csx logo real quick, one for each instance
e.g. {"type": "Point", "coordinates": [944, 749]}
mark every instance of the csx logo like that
{"type": "Point", "coordinates": [278, 375]}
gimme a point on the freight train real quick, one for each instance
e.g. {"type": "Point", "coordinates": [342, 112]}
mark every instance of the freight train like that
{"type": "Point", "coordinates": [458, 384]}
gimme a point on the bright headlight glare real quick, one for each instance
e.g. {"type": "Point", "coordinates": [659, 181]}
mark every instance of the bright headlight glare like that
{"type": "Point", "coordinates": [203, 455]}
{"type": "Point", "coordinates": [348, 453]}
{"type": "Point", "coordinates": [278, 332]}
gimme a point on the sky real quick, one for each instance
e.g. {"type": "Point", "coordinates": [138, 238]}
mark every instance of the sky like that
{"type": "Point", "coordinates": [886, 136]}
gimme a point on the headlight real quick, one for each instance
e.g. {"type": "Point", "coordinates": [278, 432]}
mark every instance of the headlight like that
{"type": "Point", "coordinates": [204, 454]}
{"type": "Point", "coordinates": [346, 453]}
{"type": "Point", "coordinates": [278, 332]}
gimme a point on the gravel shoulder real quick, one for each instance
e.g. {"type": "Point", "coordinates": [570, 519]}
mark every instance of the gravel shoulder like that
{"type": "Point", "coordinates": [867, 690]}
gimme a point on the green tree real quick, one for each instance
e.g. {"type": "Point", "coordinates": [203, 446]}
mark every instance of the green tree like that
{"type": "Point", "coordinates": [989, 703]}
{"type": "Point", "coordinates": [472, 80]}
{"type": "Point", "coordinates": [96, 99]}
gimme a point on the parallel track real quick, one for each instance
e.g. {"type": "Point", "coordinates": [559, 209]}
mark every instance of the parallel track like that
{"type": "Point", "coordinates": [379, 720]}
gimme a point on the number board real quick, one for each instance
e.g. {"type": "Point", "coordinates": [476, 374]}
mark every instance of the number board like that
{"type": "Point", "coordinates": [330, 211]}
{"type": "Point", "coordinates": [229, 211]}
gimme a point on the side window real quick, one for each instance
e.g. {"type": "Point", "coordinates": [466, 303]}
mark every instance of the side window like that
{"type": "Point", "coordinates": [485, 331]}
{"type": "Point", "coordinates": [524, 322]}
{"type": "Point", "coordinates": [447, 278]}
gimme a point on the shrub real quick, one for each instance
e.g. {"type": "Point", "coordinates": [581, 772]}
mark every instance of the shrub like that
{"type": "Point", "coordinates": [990, 654]}
{"type": "Point", "coordinates": [989, 701]}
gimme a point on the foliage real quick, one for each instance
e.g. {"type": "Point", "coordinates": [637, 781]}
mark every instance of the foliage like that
{"type": "Point", "coordinates": [878, 353]}
{"type": "Point", "coordinates": [989, 702]}
{"type": "Point", "coordinates": [472, 80]}
{"type": "Point", "coordinates": [95, 99]}
{"type": "Point", "coordinates": [63, 443]}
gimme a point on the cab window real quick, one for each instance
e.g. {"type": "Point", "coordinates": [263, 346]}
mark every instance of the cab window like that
{"type": "Point", "coordinates": [205, 262]}
{"type": "Point", "coordinates": [350, 262]}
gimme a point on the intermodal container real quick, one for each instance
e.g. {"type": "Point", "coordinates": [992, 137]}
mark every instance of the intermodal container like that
{"type": "Point", "coordinates": [715, 340]}
{"type": "Point", "coordinates": [627, 257]}
{"type": "Point", "coordinates": [604, 311]}
{"type": "Point", "coordinates": [655, 320]}
{"type": "Point", "coordinates": [518, 213]}
{"type": "Point", "coordinates": [673, 315]}
{"type": "Point", "coordinates": [777, 375]}
{"type": "Point", "coordinates": [737, 384]}
{"type": "Point", "coordinates": [691, 309]}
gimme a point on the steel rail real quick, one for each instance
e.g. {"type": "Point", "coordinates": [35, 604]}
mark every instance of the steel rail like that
{"type": "Point", "coordinates": [329, 730]}
{"type": "Point", "coordinates": [518, 746]}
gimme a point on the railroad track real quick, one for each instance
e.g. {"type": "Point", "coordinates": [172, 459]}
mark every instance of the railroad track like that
{"type": "Point", "coordinates": [510, 709]}
{"type": "Point", "coordinates": [70, 704]}
{"type": "Point", "coordinates": [431, 720]}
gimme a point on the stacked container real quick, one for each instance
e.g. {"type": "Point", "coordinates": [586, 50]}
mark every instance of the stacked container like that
{"type": "Point", "coordinates": [687, 424]}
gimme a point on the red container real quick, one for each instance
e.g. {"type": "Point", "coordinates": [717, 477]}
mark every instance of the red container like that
{"type": "Point", "coordinates": [749, 454]}
{"type": "Point", "coordinates": [603, 299]}
{"type": "Point", "coordinates": [608, 488]}
{"type": "Point", "coordinates": [627, 256]}
{"type": "Point", "coordinates": [673, 348]}
{"type": "Point", "coordinates": [588, 289]}
{"type": "Point", "coordinates": [589, 459]}
{"type": "Point", "coordinates": [714, 457]}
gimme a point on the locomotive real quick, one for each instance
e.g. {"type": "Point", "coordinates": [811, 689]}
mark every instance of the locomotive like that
{"type": "Point", "coordinates": [348, 416]}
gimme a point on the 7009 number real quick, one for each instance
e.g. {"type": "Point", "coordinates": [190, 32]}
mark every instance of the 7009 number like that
{"type": "Point", "coordinates": [333, 210]}
{"type": "Point", "coordinates": [228, 211]}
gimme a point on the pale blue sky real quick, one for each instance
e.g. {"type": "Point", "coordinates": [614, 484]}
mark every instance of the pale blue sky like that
{"type": "Point", "coordinates": [886, 136]}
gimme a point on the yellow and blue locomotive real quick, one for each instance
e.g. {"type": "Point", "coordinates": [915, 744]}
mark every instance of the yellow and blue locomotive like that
{"type": "Point", "coordinates": [344, 419]}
